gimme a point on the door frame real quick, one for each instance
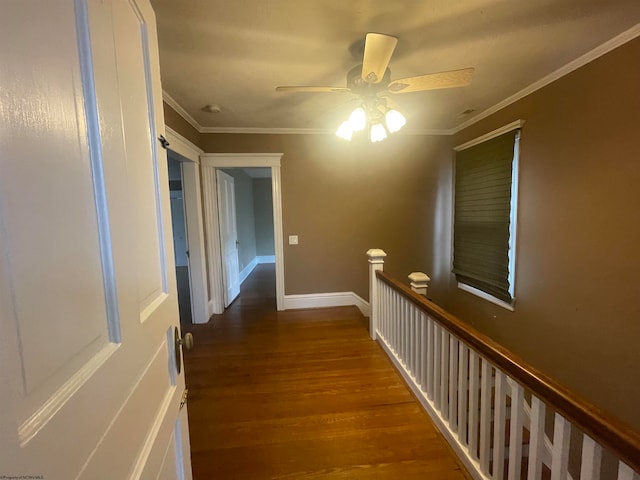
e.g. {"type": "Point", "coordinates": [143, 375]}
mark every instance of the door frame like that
{"type": "Point", "coordinates": [210, 162]}
{"type": "Point", "coordinates": [192, 193]}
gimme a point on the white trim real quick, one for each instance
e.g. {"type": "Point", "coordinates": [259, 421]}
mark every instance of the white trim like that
{"type": "Point", "coordinates": [259, 130]}
{"type": "Point", "coordinates": [588, 57]}
{"type": "Point", "coordinates": [180, 110]}
{"type": "Point", "coordinates": [488, 136]}
{"type": "Point", "coordinates": [192, 190]}
{"type": "Point", "coordinates": [311, 131]}
{"type": "Point", "coordinates": [246, 271]}
{"type": "Point", "coordinates": [182, 145]}
{"type": "Point", "coordinates": [513, 221]}
{"type": "Point", "coordinates": [324, 300]}
{"type": "Point", "coordinates": [245, 160]}
{"type": "Point", "coordinates": [214, 250]}
{"type": "Point", "coordinates": [194, 220]}
{"type": "Point", "coordinates": [486, 296]}
{"type": "Point", "coordinates": [212, 161]}
{"type": "Point", "coordinates": [266, 259]}
{"type": "Point", "coordinates": [278, 234]}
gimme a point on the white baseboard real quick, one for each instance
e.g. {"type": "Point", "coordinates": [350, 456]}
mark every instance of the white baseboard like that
{"type": "Point", "coordinates": [323, 300]}
{"type": "Point", "coordinates": [246, 271]}
{"type": "Point", "coordinates": [266, 259]}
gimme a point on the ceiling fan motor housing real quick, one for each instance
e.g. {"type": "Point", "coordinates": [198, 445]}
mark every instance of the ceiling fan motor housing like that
{"type": "Point", "coordinates": [360, 87]}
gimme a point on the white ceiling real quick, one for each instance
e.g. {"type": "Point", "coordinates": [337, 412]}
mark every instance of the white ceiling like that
{"type": "Point", "coordinates": [234, 53]}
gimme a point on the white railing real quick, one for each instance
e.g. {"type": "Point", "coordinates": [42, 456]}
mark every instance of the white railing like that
{"type": "Point", "coordinates": [490, 405]}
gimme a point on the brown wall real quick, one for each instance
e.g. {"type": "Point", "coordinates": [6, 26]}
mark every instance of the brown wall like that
{"type": "Point", "coordinates": [180, 125]}
{"type": "Point", "coordinates": [343, 198]}
{"type": "Point", "coordinates": [577, 284]}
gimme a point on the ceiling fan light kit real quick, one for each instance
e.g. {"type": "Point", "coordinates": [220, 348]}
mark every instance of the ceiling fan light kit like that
{"type": "Point", "coordinates": [372, 82]}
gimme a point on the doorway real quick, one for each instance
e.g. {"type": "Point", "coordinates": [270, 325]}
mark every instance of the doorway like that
{"type": "Point", "coordinates": [254, 227]}
{"type": "Point", "coordinates": [210, 163]}
{"type": "Point", "coordinates": [180, 245]}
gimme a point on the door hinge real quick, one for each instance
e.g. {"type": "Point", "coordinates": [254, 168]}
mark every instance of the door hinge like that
{"type": "Point", "coordinates": [184, 398]}
{"type": "Point", "coordinates": [164, 142]}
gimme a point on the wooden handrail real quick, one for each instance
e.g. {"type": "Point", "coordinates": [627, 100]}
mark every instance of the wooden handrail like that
{"type": "Point", "coordinates": [607, 430]}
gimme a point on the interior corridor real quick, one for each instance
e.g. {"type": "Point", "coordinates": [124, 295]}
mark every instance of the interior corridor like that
{"type": "Point", "coordinates": [302, 394]}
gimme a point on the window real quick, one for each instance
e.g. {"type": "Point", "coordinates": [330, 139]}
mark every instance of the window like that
{"type": "Point", "coordinates": [486, 174]}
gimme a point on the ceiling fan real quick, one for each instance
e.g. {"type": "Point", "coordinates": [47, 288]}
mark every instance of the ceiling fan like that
{"type": "Point", "coordinates": [372, 82]}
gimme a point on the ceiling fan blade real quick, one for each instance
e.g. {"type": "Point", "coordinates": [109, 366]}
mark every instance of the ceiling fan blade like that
{"type": "Point", "coordinates": [378, 49]}
{"type": "Point", "coordinates": [312, 89]}
{"type": "Point", "coordinates": [432, 81]}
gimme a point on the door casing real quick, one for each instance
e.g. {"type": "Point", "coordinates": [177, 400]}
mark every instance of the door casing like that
{"type": "Point", "coordinates": [210, 162]}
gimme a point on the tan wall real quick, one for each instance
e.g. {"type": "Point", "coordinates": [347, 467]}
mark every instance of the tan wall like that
{"type": "Point", "coordinates": [180, 125]}
{"type": "Point", "coordinates": [577, 312]}
{"type": "Point", "coordinates": [343, 198]}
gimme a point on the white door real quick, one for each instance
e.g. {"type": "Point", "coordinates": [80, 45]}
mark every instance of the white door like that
{"type": "Point", "coordinates": [228, 237]}
{"type": "Point", "coordinates": [90, 388]}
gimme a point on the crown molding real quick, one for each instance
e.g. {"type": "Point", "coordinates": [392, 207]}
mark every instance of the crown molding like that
{"type": "Point", "coordinates": [588, 57]}
{"type": "Point", "coordinates": [488, 136]}
{"type": "Point", "coordinates": [291, 131]}
{"type": "Point", "coordinates": [181, 111]}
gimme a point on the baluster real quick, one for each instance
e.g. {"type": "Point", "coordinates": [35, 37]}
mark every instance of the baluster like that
{"type": "Point", "coordinates": [420, 345]}
{"type": "Point", "coordinates": [415, 332]}
{"type": "Point", "coordinates": [383, 311]}
{"type": "Point", "coordinates": [398, 324]}
{"type": "Point", "coordinates": [625, 472]}
{"type": "Point", "coordinates": [430, 353]}
{"type": "Point", "coordinates": [536, 445]}
{"type": "Point", "coordinates": [380, 307]}
{"type": "Point", "coordinates": [400, 331]}
{"type": "Point", "coordinates": [402, 337]}
{"type": "Point", "coordinates": [409, 338]}
{"type": "Point", "coordinates": [485, 416]}
{"type": "Point", "coordinates": [499, 420]}
{"type": "Point", "coordinates": [473, 404]}
{"type": "Point", "coordinates": [437, 345]}
{"type": "Point", "coordinates": [416, 345]}
{"type": "Point", "coordinates": [453, 382]}
{"type": "Point", "coordinates": [463, 384]}
{"type": "Point", "coordinates": [394, 320]}
{"type": "Point", "coordinates": [387, 313]}
{"type": "Point", "coordinates": [560, 452]}
{"type": "Point", "coordinates": [515, 434]}
{"type": "Point", "coordinates": [405, 333]}
{"type": "Point", "coordinates": [591, 459]}
{"type": "Point", "coordinates": [444, 375]}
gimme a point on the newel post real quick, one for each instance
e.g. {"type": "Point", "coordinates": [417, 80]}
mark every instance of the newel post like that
{"type": "Point", "coordinates": [419, 282]}
{"type": "Point", "coordinates": [376, 262]}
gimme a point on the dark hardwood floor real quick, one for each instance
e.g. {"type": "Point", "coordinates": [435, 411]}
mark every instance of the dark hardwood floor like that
{"type": "Point", "coordinates": [302, 395]}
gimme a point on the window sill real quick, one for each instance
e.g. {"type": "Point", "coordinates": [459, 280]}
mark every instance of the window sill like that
{"type": "Point", "coordinates": [486, 296]}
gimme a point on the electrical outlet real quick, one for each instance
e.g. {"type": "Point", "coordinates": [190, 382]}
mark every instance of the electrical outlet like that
{"type": "Point", "coordinates": [293, 239]}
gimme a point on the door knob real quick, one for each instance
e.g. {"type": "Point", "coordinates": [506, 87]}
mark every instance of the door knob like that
{"type": "Point", "coordinates": [185, 342]}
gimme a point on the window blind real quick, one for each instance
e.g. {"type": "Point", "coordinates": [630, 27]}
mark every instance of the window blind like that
{"type": "Point", "coordinates": [482, 215]}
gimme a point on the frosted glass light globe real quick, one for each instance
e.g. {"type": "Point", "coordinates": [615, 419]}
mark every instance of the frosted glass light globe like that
{"type": "Point", "coordinates": [395, 120]}
{"type": "Point", "coordinates": [345, 131]}
{"type": "Point", "coordinates": [358, 119]}
{"type": "Point", "coordinates": [377, 133]}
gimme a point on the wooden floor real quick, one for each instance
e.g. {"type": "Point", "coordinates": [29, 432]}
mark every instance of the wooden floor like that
{"type": "Point", "coordinates": [302, 395]}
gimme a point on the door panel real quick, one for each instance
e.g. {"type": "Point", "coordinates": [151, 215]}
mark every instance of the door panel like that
{"type": "Point", "coordinates": [138, 117]}
{"type": "Point", "coordinates": [228, 236]}
{"type": "Point", "coordinates": [89, 388]}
